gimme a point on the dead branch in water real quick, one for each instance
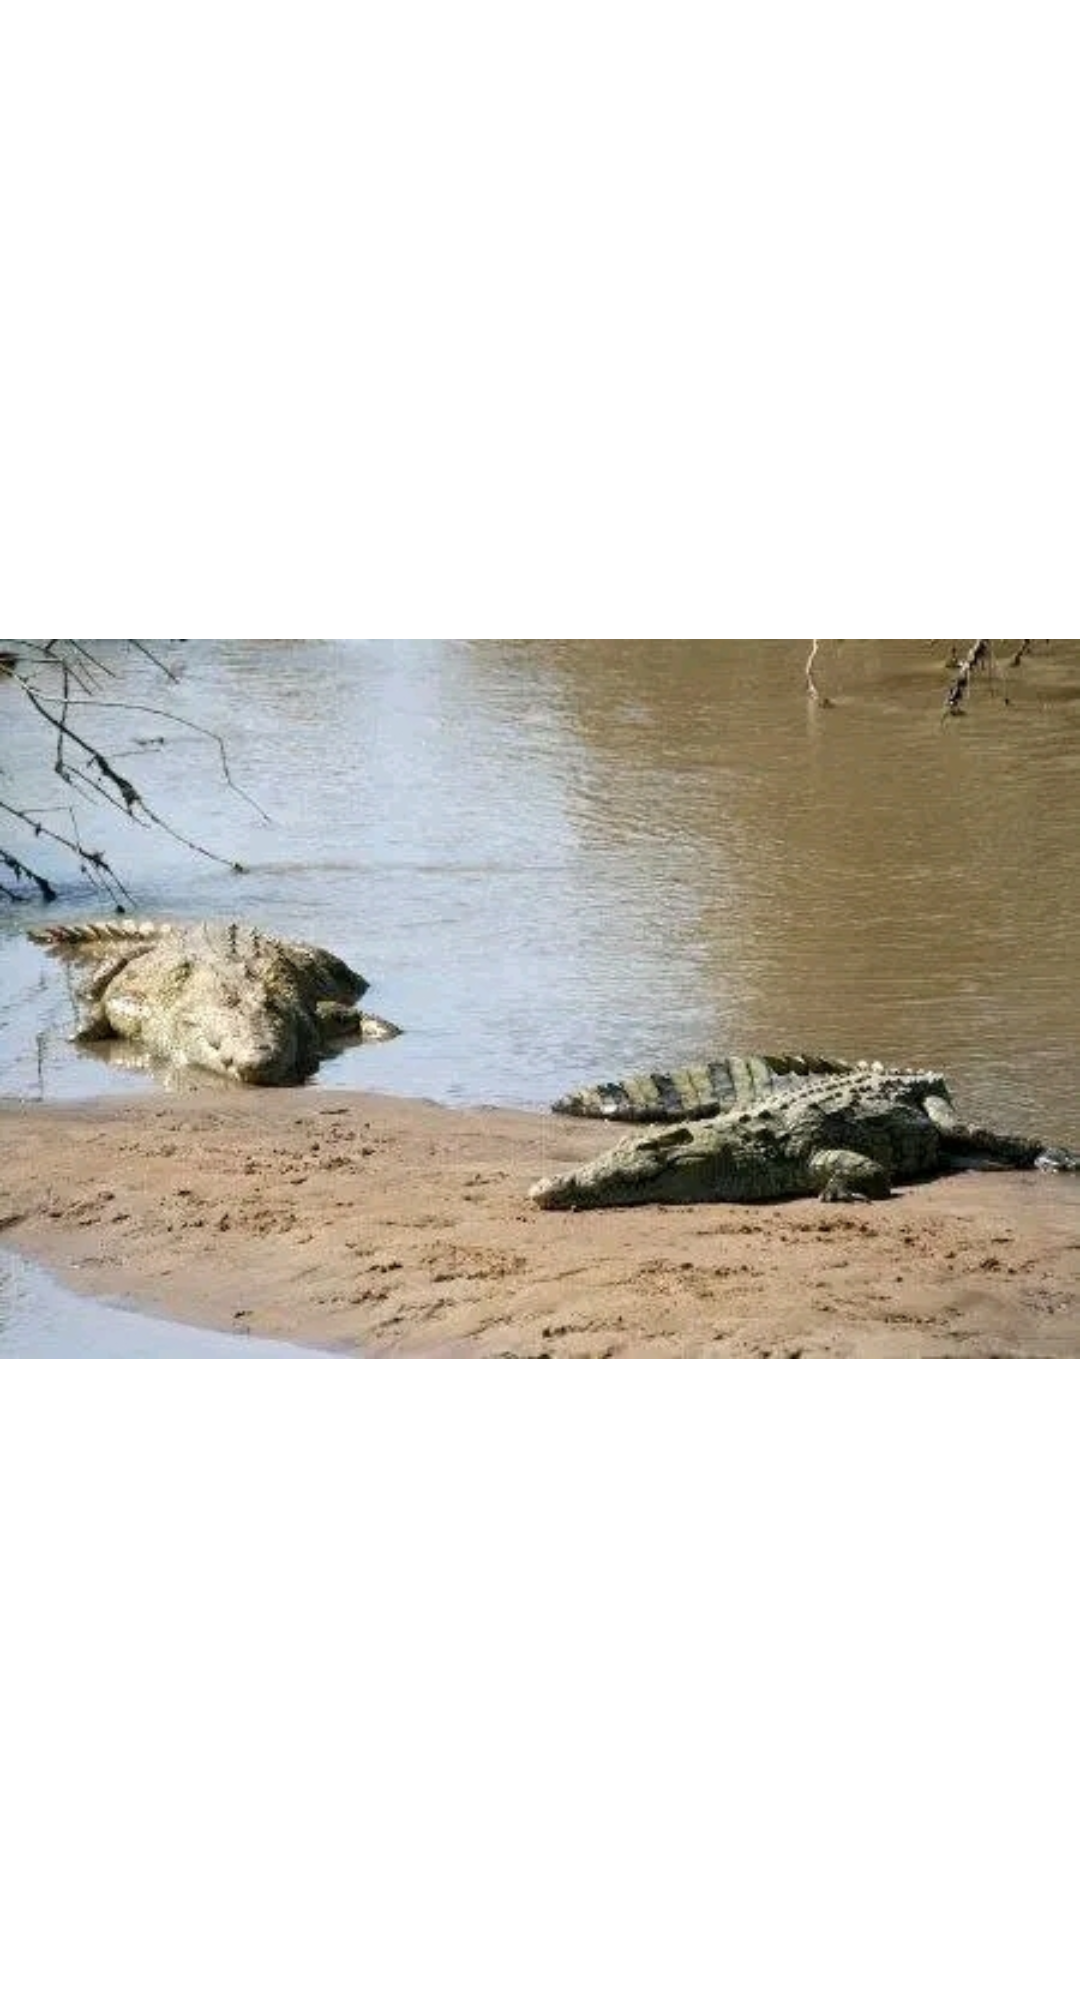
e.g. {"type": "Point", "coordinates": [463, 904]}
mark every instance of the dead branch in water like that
{"type": "Point", "coordinates": [46, 673]}
{"type": "Point", "coordinates": [978, 658]}
{"type": "Point", "coordinates": [820, 700]}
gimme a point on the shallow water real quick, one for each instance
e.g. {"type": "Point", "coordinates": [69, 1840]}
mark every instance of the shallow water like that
{"type": "Point", "coordinates": [40, 1320]}
{"type": "Point", "coordinates": [558, 861]}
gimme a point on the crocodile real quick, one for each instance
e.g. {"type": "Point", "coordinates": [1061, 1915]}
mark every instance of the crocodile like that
{"type": "Point", "coordinates": [700, 1089]}
{"type": "Point", "coordinates": [844, 1137]}
{"type": "Point", "coordinates": [217, 996]}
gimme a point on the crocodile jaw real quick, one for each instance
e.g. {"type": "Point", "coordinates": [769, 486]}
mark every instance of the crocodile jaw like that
{"type": "Point", "coordinates": [257, 1045]}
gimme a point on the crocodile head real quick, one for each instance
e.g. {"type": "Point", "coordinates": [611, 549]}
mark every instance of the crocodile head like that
{"type": "Point", "coordinates": [629, 1174]}
{"type": "Point", "coordinates": [234, 1026]}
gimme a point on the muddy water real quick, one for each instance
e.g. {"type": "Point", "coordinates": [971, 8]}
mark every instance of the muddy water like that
{"type": "Point", "coordinates": [557, 861]}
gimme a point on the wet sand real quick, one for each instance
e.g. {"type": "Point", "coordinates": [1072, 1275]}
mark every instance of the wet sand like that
{"type": "Point", "coordinates": [384, 1226]}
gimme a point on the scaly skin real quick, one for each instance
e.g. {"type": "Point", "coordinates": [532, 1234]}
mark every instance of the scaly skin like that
{"type": "Point", "coordinates": [218, 996]}
{"type": "Point", "coordinates": [847, 1137]}
{"type": "Point", "coordinates": [699, 1089]}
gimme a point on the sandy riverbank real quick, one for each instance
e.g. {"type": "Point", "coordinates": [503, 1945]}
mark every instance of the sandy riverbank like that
{"type": "Point", "coordinates": [386, 1226]}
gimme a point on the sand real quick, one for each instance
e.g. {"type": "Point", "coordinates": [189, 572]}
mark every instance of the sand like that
{"type": "Point", "coordinates": [381, 1226]}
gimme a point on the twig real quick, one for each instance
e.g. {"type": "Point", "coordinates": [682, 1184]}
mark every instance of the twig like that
{"type": "Point", "coordinates": [77, 667]}
{"type": "Point", "coordinates": [979, 654]}
{"type": "Point", "coordinates": [813, 690]}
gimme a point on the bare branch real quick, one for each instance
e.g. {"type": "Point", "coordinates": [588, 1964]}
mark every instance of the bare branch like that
{"type": "Point", "coordinates": [73, 664]}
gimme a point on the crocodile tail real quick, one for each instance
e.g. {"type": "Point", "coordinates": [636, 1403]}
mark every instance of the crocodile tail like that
{"type": "Point", "coordinates": [95, 940]}
{"type": "Point", "coordinates": [701, 1089]}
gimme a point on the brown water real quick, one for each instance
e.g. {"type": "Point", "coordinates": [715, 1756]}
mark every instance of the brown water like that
{"type": "Point", "coordinates": [558, 861]}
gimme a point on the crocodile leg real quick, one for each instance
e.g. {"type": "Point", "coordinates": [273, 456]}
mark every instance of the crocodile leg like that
{"type": "Point", "coordinates": [93, 1022]}
{"type": "Point", "coordinates": [373, 1028]}
{"type": "Point", "coordinates": [337, 1020]}
{"type": "Point", "coordinates": [845, 1175]}
{"type": "Point", "coordinates": [93, 991]}
{"type": "Point", "coordinates": [340, 1022]}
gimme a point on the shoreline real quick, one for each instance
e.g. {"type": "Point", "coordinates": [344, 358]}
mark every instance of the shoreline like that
{"type": "Point", "coordinates": [383, 1225]}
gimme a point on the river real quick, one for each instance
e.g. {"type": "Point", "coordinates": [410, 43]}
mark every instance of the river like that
{"type": "Point", "coordinates": [557, 861]}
